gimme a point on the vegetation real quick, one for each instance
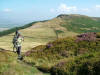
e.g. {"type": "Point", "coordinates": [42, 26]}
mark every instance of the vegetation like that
{"type": "Point", "coordinates": [66, 51]}
{"type": "Point", "coordinates": [81, 24]}
{"type": "Point", "coordinates": [35, 34]}
{"type": "Point", "coordinates": [98, 35]}
{"type": "Point", "coordinates": [9, 65]}
{"type": "Point", "coordinates": [73, 55]}
{"type": "Point", "coordinates": [88, 64]}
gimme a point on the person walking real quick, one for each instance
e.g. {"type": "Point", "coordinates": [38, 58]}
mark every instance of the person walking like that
{"type": "Point", "coordinates": [19, 43]}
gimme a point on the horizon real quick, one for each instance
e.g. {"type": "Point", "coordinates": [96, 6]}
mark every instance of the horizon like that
{"type": "Point", "coordinates": [7, 26]}
{"type": "Point", "coordinates": [21, 12]}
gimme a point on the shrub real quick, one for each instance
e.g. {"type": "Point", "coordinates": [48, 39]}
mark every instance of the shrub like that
{"type": "Point", "coordinates": [78, 66]}
{"type": "Point", "coordinates": [87, 37]}
{"type": "Point", "coordinates": [98, 35]}
{"type": "Point", "coordinates": [67, 48]}
{"type": "Point", "coordinates": [59, 31]}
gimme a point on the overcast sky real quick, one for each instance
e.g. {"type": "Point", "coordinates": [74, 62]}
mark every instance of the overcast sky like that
{"type": "Point", "coordinates": [24, 11]}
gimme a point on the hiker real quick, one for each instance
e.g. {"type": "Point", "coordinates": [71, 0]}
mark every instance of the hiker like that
{"type": "Point", "coordinates": [19, 42]}
{"type": "Point", "coordinates": [15, 41]}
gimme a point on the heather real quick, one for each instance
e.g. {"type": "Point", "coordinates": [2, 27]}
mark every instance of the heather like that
{"type": "Point", "coordinates": [88, 64]}
{"type": "Point", "coordinates": [67, 56]}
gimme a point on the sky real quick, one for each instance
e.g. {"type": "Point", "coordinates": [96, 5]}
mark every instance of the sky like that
{"type": "Point", "coordinates": [26, 11]}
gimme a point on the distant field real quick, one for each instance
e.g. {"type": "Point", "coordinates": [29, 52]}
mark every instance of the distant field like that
{"type": "Point", "coordinates": [2, 29]}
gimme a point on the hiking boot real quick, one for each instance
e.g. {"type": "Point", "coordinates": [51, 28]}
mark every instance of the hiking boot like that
{"type": "Point", "coordinates": [20, 57]}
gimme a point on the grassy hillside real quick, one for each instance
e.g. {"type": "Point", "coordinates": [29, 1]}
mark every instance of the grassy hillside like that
{"type": "Point", "coordinates": [36, 34]}
{"type": "Point", "coordinates": [69, 56]}
{"type": "Point", "coordinates": [81, 23]}
{"type": "Point", "coordinates": [73, 55]}
{"type": "Point", "coordinates": [77, 55]}
{"type": "Point", "coordinates": [40, 33]}
{"type": "Point", "coordinates": [9, 65]}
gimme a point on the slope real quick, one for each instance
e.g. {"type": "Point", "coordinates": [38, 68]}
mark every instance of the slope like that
{"type": "Point", "coordinates": [68, 56]}
{"type": "Point", "coordinates": [40, 33]}
{"type": "Point", "coordinates": [80, 23]}
{"type": "Point", "coordinates": [9, 65]}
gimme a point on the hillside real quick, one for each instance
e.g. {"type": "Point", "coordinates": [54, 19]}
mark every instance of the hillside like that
{"type": "Point", "coordinates": [80, 23]}
{"type": "Point", "coordinates": [9, 65]}
{"type": "Point", "coordinates": [77, 55]}
{"type": "Point", "coordinates": [40, 33]}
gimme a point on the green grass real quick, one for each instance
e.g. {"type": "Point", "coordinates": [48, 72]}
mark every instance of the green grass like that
{"type": "Point", "coordinates": [82, 24]}
{"type": "Point", "coordinates": [9, 65]}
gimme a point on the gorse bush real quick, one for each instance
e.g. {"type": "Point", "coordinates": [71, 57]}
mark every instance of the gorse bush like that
{"type": "Point", "coordinates": [98, 35]}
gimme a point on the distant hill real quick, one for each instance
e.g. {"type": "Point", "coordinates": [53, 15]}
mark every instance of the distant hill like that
{"type": "Point", "coordinates": [75, 23]}
{"type": "Point", "coordinates": [80, 23]}
{"type": "Point", "coordinates": [41, 32]}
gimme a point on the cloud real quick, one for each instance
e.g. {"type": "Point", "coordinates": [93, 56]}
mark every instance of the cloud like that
{"type": "Point", "coordinates": [7, 10]}
{"type": "Point", "coordinates": [65, 8]}
{"type": "Point", "coordinates": [97, 6]}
